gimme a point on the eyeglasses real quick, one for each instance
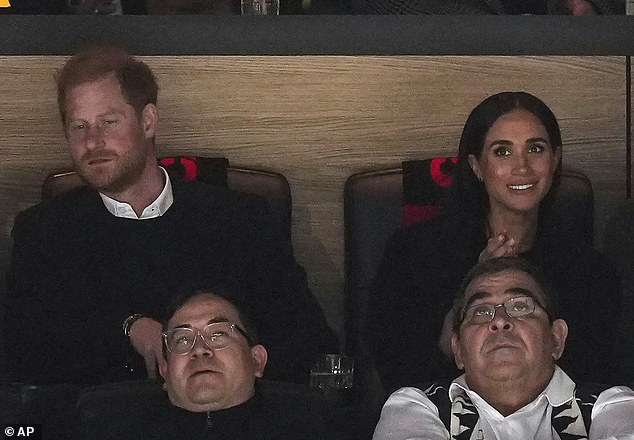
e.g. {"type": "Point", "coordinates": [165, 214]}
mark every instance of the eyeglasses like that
{"type": "Point", "coordinates": [516, 307]}
{"type": "Point", "coordinates": [216, 336]}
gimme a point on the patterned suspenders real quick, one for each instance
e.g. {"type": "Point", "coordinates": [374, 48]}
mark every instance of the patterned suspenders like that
{"type": "Point", "coordinates": [570, 420]}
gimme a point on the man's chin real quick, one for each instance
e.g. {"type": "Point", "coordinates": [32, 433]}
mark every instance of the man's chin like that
{"type": "Point", "coordinates": [104, 182]}
{"type": "Point", "coordinates": [505, 370]}
{"type": "Point", "coordinates": [203, 390]}
{"type": "Point", "coordinates": [97, 177]}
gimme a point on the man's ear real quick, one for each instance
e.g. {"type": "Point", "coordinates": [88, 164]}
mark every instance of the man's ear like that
{"type": "Point", "coordinates": [475, 166]}
{"type": "Point", "coordinates": [163, 368]}
{"type": "Point", "coordinates": [457, 352]}
{"type": "Point", "coordinates": [149, 120]}
{"type": "Point", "coordinates": [559, 329]}
{"type": "Point", "coordinates": [260, 356]}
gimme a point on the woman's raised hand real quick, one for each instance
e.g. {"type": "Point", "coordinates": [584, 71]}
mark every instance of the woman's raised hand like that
{"type": "Point", "coordinates": [499, 245]}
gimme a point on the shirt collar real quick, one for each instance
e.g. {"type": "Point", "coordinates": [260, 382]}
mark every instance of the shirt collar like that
{"type": "Point", "coordinates": [155, 209]}
{"type": "Point", "coordinates": [559, 390]}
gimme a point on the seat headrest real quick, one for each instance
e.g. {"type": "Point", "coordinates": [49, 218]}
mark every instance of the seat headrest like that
{"type": "Point", "coordinates": [211, 170]}
{"type": "Point", "coordinates": [205, 169]}
{"type": "Point", "coordinates": [424, 183]}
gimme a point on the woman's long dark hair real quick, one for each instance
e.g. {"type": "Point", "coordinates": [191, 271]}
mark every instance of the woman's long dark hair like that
{"type": "Point", "coordinates": [468, 201]}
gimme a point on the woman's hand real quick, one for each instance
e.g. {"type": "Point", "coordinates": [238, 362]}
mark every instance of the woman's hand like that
{"type": "Point", "coordinates": [499, 245]}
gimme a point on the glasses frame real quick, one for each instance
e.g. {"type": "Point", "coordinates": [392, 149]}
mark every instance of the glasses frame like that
{"type": "Point", "coordinates": [197, 332]}
{"type": "Point", "coordinates": [503, 305]}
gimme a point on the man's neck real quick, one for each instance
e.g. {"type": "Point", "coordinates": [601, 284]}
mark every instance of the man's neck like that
{"type": "Point", "coordinates": [509, 396]}
{"type": "Point", "coordinates": [145, 191]}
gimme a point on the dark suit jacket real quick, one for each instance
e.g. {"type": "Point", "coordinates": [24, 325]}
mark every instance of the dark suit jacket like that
{"type": "Point", "coordinates": [77, 272]}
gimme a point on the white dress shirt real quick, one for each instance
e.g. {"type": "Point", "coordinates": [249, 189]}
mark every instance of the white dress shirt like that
{"type": "Point", "coordinates": [155, 209]}
{"type": "Point", "coordinates": [408, 414]}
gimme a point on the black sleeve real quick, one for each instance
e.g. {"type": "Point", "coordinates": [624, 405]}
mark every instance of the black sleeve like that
{"type": "Point", "coordinates": [293, 326]}
{"type": "Point", "coordinates": [591, 302]}
{"type": "Point", "coordinates": [23, 308]}
{"type": "Point", "coordinates": [383, 334]}
{"type": "Point", "coordinates": [411, 294]}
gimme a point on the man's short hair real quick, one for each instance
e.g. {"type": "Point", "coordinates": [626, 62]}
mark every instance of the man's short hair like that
{"type": "Point", "coordinates": [138, 83]}
{"type": "Point", "coordinates": [547, 299]}
{"type": "Point", "coordinates": [217, 291]}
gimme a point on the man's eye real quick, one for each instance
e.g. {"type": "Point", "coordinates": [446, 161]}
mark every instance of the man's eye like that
{"type": "Point", "coordinates": [77, 126]}
{"type": "Point", "coordinates": [183, 340]}
{"type": "Point", "coordinates": [110, 122]}
{"type": "Point", "coordinates": [481, 310]}
{"type": "Point", "coordinates": [219, 335]}
{"type": "Point", "coordinates": [520, 306]}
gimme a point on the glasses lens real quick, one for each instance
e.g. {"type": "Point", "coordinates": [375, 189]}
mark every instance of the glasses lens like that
{"type": "Point", "coordinates": [521, 306]}
{"type": "Point", "coordinates": [181, 340]}
{"type": "Point", "coordinates": [218, 334]}
{"type": "Point", "coordinates": [515, 308]}
{"type": "Point", "coordinates": [480, 313]}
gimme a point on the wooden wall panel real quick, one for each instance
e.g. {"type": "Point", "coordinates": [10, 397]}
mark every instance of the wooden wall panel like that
{"type": "Point", "coordinates": [318, 119]}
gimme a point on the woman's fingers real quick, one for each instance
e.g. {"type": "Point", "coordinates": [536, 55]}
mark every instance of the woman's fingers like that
{"type": "Point", "coordinates": [498, 245]}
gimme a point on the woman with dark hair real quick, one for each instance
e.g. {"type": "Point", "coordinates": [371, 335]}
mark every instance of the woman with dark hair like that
{"type": "Point", "coordinates": [499, 203]}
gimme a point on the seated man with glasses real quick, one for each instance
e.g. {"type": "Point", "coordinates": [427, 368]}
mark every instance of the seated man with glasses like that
{"type": "Point", "coordinates": [507, 339]}
{"type": "Point", "coordinates": [211, 362]}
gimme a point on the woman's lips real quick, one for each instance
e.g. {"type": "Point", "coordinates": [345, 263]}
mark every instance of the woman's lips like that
{"type": "Point", "coordinates": [521, 187]}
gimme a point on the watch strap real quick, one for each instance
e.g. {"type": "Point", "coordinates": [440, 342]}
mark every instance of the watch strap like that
{"type": "Point", "coordinates": [127, 324]}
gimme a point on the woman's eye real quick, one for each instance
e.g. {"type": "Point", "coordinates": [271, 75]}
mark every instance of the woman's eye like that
{"type": "Point", "coordinates": [501, 151]}
{"type": "Point", "coordinates": [536, 148]}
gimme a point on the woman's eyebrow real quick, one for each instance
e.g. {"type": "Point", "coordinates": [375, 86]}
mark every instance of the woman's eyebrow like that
{"type": "Point", "coordinates": [537, 139]}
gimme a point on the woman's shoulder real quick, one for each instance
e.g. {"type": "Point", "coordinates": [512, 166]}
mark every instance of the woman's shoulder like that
{"type": "Point", "coordinates": [437, 229]}
{"type": "Point", "coordinates": [565, 256]}
{"type": "Point", "coordinates": [433, 236]}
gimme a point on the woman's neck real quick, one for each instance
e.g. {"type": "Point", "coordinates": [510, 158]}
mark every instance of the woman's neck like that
{"type": "Point", "coordinates": [522, 227]}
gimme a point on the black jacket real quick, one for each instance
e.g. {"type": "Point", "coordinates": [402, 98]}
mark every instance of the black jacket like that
{"type": "Point", "coordinates": [263, 417]}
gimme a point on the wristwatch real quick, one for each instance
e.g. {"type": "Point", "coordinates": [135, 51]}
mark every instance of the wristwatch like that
{"type": "Point", "coordinates": [127, 324]}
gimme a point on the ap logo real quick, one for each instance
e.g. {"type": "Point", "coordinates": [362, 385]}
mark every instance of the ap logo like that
{"type": "Point", "coordinates": [5, 4]}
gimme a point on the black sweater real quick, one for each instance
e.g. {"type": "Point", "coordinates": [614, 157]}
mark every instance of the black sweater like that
{"type": "Point", "coordinates": [77, 272]}
{"type": "Point", "coordinates": [422, 268]}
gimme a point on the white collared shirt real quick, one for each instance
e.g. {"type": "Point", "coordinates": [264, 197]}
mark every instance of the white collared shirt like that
{"type": "Point", "coordinates": [409, 414]}
{"type": "Point", "coordinates": [155, 209]}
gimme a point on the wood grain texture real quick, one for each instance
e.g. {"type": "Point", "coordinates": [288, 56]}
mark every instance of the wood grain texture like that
{"type": "Point", "coordinates": [319, 119]}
